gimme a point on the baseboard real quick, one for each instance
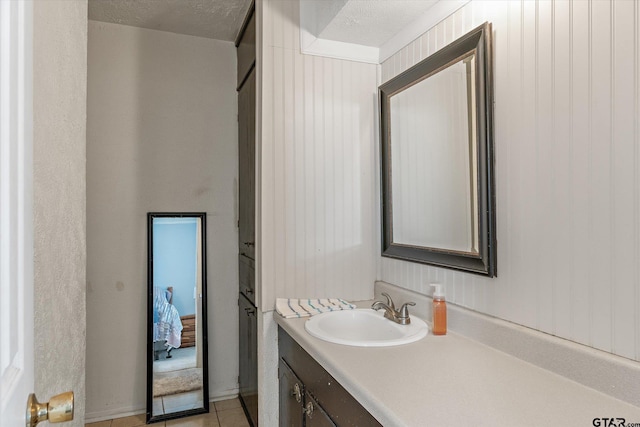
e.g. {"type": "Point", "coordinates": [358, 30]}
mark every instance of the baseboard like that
{"type": "Point", "coordinates": [219, 398]}
{"type": "Point", "coordinates": [94, 417]}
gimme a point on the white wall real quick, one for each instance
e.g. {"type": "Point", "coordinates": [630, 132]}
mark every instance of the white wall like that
{"type": "Point", "coordinates": [317, 213]}
{"type": "Point", "coordinates": [59, 189]}
{"type": "Point", "coordinates": [316, 210]}
{"type": "Point", "coordinates": [567, 166]}
{"type": "Point", "coordinates": [162, 136]}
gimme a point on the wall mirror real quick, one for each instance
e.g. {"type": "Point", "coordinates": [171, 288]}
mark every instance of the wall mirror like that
{"type": "Point", "coordinates": [177, 368]}
{"type": "Point", "coordinates": [438, 201]}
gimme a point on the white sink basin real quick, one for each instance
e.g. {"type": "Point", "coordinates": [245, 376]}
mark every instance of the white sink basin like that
{"type": "Point", "coordinates": [364, 327]}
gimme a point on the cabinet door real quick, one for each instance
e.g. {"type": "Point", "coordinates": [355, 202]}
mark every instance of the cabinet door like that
{"type": "Point", "coordinates": [248, 343]}
{"type": "Point", "coordinates": [247, 273]}
{"type": "Point", "coordinates": [315, 416]}
{"type": "Point", "coordinates": [246, 53]}
{"type": "Point", "coordinates": [246, 166]}
{"type": "Point", "coordinates": [291, 397]}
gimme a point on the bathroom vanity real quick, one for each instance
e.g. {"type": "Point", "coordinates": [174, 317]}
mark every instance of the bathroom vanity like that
{"type": "Point", "coordinates": [439, 381]}
{"type": "Point", "coordinates": [309, 395]}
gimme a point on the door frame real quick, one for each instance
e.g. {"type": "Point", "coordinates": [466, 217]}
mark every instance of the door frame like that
{"type": "Point", "coordinates": [16, 210]}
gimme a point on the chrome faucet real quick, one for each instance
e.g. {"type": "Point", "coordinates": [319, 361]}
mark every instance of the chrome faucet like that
{"type": "Point", "coordinates": [400, 316]}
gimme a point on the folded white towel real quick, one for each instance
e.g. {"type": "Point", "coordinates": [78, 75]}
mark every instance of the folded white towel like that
{"type": "Point", "coordinates": [290, 307]}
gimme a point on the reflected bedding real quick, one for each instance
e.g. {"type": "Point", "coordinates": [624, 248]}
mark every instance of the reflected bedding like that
{"type": "Point", "coordinates": [167, 327]}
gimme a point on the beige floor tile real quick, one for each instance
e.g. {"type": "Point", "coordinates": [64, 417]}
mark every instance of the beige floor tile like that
{"type": "Point", "coordinates": [227, 404]}
{"type": "Point", "coordinates": [229, 414]}
{"type": "Point", "coordinates": [133, 421]}
{"type": "Point", "coordinates": [204, 420]}
{"type": "Point", "coordinates": [232, 418]}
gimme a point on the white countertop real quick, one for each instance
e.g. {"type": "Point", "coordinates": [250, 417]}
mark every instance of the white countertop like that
{"type": "Point", "coordinates": [452, 380]}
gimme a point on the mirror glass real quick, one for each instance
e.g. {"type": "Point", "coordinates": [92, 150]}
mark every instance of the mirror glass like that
{"type": "Point", "coordinates": [433, 151]}
{"type": "Point", "coordinates": [437, 159]}
{"type": "Point", "coordinates": [177, 318]}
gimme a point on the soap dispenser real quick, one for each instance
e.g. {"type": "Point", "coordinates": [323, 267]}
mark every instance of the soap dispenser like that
{"type": "Point", "coordinates": [439, 311]}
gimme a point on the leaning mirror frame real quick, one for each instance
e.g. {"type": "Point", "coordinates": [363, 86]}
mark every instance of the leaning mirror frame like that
{"type": "Point", "coordinates": [201, 299]}
{"type": "Point", "coordinates": [483, 261]}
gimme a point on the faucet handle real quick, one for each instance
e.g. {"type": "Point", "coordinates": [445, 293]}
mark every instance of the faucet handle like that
{"type": "Point", "coordinates": [389, 301]}
{"type": "Point", "coordinates": [404, 310]}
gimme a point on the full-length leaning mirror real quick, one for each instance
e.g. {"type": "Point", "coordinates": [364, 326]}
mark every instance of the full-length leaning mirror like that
{"type": "Point", "coordinates": [437, 158]}
{"type": "Point", "coordinates": [176, 316]}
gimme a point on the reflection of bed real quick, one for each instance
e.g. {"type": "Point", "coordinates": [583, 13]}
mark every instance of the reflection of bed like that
{"type": "Point", "coordinates": [167, 326]}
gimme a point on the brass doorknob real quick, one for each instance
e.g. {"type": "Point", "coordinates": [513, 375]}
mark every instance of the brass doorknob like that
{"type": "Point", "coordinates": [59, 409]}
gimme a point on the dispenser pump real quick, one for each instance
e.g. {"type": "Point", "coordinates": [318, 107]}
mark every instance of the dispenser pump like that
{"type": "Point", "coordinates": [439, 310]}
{"type": "Point", "coordinates": [437, 291]}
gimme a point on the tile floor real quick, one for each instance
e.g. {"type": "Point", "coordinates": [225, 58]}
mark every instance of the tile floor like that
{"type": "Point", "coordinates": [226, 413]}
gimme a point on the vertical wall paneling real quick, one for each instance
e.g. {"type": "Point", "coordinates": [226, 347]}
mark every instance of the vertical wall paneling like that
{"type": "Point", "coordinates": [561, 164]}
{"type": "Point", "coordinates": [636, 177]}
{"type": "Point", "coordinates": [318, 193]}
{"type": "Point", "coordinates": [623, 174]}
{"type": "Point", "coordinates": [581, 295]}
{"type": "Point", "coordinates": [567, 161]}
{"type": "Point", "coordinates": [506, 66]}
{"type": "Point", "coordinates": [600, 269]}
{"type": "Point", "coordinates": [526, 199]}
{"type": "Point", "coordinates": [544, 173]}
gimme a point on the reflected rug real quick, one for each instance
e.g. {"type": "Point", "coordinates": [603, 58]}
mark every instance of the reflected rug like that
{"type": "Point", "coordinates": [167, 383]}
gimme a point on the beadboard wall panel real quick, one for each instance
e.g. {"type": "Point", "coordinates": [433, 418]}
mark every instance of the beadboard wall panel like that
{"type": "Point", "coordinates": [318, 195]}
{"type": "Point", "coordinates": [567, 162]}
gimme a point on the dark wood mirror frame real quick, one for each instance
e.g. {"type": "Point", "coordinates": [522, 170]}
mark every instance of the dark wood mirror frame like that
{"type": "Point", "coordinates": [150, 418]}
{"type": "Point", "coordinates": [484, 262]}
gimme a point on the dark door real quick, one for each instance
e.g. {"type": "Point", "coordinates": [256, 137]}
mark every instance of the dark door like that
{"type": "Point", "coordinates": [248, 377]}
{"type": "Point", "coordinates": [291, 397]}
{"type": "Point", "coordinates": [246, 172]}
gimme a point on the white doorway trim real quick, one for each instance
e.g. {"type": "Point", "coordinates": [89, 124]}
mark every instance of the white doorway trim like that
{"type": "Point", "coordinates": [16, 209]}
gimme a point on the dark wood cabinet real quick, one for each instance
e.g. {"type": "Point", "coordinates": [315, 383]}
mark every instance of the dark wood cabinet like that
{"type": "Point", "coordinates": [324, 401]}
{"type": "Point", "coordinates": [247, 278]}
{"type": "Point", "coordinates": [314, 414]}
{"type": "Point", "coordinates": [246, 48]}
{"type": "Point", "coordinates": [248, 347]}
{"type": "Point", "coordinates": [248, 312]}
{"type": "Point", "coordinates": [291, 397]}
{"type": "Point", "coordinates": [246, 166]}
{"type": "Point", "coordinates": [298, 407]}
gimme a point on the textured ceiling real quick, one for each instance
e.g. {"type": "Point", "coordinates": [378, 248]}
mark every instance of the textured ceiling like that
{"type": "Point", "coordinates": [214, 19]}
{"type": "Point", "coordinates": [366, 22]}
